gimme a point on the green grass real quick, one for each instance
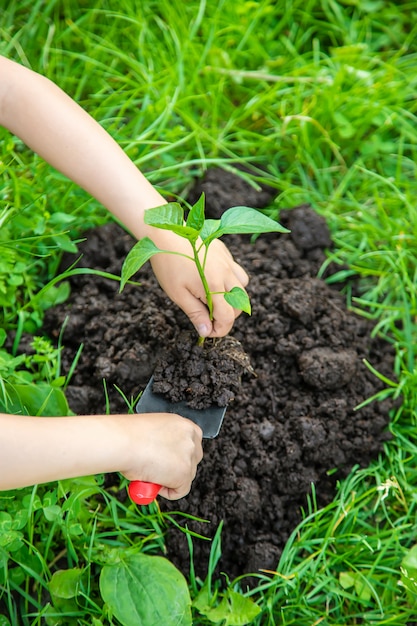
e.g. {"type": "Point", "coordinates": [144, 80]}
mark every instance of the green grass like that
{"type": "Point", "coordinates": [319, 98]}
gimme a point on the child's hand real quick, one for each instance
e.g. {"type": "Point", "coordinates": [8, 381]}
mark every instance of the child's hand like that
{"type": "Point", "coordinates": [180, 280]}
{"type": "Point", "coordinates": [163, 448]}
{"type": "Point", "coordinates": [160, 447]}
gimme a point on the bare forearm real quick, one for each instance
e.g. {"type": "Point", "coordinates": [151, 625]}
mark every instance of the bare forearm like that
{"type": "Point", "coordinates": [54, 126]}
{"type": "Point", "coordinates": [160, 447]}
{"type": "Point", "coordinates": [37, 450]}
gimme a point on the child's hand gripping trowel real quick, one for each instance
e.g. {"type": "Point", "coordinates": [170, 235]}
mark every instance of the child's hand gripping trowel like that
{"type": "Point", "coordinates": [209, 420]}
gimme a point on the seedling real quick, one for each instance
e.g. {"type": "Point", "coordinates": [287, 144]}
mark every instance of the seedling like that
{"type": "Point", "coordinates": [200, 232]}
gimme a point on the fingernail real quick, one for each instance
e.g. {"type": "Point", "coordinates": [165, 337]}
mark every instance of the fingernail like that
{"type": "Point", "coordinates": [203, 330]}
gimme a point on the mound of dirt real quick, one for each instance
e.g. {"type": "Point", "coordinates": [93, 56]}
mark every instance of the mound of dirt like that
{"type": "Point", "coordinates": [292, 425]}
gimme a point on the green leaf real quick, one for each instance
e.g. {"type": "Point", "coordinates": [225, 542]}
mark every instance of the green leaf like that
{"type": "Point", "coordinates": [59, 218]}
{"type": "Point", "coordinates": [346, 579]}
{"type": "Point", "coordinates": [354, 579]}
{"type": "Point", "coordinates": [362, 589]}
{"type": "Point", "coordinates": [209, 230]}
{"type": "Point", "coordinates": [55, 295]}
{"type": "Point", "coordinates": [141, 252]}
{"type": "Point", "coordinates": [171, 217]}
{"type": "Point", "coordinates": [64, 583]}
{"type": "Point", "coordinates": [244, 220]}
{"type": "Point", "coordinates": [5, 521]}
{"type": "Point", "coordinates": [31, 399]}
{"type": "Point", "coordinates": [238, 299]}
{"type": "Point", "coordinates": [203, 601]}
{"type": "Point", "coordinates": [20, 519]}
{"type": "Point", "coordinates": [144, 590]}
{"type": "Point", "coordinates": [234, 610]}
{"type": "Point", "coordinates": [167, 215]}
{"type": "Point", "coordinates": [183, 231]}
{"type": "Point", "coordinates": [58, 382]}
{"type": "Point", "coordinates": [409, 562]}
{"type": "Point", "coordinates": [409, 572]}
{"type": "Point", "coordinates": [52, 513]}
{"type": "Point", "coordinates": [63, 242]}
{"type": "Point", "coordinates": [11, 540]}
{"type": "Point", "coordinates": [195, 217]}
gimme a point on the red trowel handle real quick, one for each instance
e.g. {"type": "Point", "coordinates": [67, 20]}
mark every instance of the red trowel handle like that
{"type": "Point", "coordinates": [143, 493]}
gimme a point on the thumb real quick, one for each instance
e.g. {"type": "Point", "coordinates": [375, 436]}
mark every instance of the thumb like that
{"type": "Point", "coordinates": [198, 314]}
{"type": "Point", "coordinates": [201, 321]}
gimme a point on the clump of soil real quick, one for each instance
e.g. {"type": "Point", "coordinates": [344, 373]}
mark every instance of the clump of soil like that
{"type": "Point", "coordinates": [292, 425]}
{"type": "Point", "coordinates": [201, 375]}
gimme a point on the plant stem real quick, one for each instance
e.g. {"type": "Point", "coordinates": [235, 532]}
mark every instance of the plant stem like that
{"type": "Point", "coordinates": [204, 281]}
{"type": "Point", "coordinates": [207, 291]}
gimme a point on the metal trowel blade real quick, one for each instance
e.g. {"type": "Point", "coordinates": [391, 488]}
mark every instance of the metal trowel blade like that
{"type": "Point", "coordinates": [209, 420]}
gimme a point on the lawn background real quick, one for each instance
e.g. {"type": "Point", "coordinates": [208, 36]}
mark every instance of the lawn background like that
{"type": "Point", "coordinates": [319, 98]}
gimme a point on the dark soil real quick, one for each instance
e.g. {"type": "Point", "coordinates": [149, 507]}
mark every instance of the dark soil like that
{"type": "Point", "coordinates": [201, 375]}
{"type": "Point", "coordinates": [291, 425]}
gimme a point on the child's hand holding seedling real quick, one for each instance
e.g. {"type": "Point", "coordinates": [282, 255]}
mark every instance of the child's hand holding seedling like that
{"type": "Point", "coordinates": [220, 286]}
{"type": "Point", "coordinates": [181, 282]}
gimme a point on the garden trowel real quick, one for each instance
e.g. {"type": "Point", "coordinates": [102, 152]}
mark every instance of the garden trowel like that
{"type": "Point", "coordinates": [209, 420]}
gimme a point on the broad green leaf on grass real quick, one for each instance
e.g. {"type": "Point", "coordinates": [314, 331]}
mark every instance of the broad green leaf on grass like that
{"type": "Point", "coordinates": [144, 590]}
{"type": "Point", "coordinates": [348, 580]}
{"type": "Point", "coordinates": [64, 583]}
{"type": "Point", "coordinates": [238, 299]}
{"type": "Point", "coordinates": [17, 522]}
{"type": "Point", "coordinates": [63, 242]}
{"type": "Point", "coordinates": [60, 219]}
{"type": "Point", "coordinates": [4, 621]}
{"type": "Point", "coordinates": [240, 220]}
{"type": "Point", "coordinates": [409, 572]}
{"type": "Point", "coordinates": [55, 295]}
{"type": "Point", "coordinates": [234, 609]}
{"type": "Point", "coordinates": [10, 538]}
{"type": "Point", "coordinates": [52, 513]}
{"type": "Point", "coordinates": [203, 601]}
{"type": "Point", "coordinates": [20, 518]}
{"type": "Point", "coordinates": [31, 399]}
{"type": "Point", "coordinates": [63, 588]}
{"type": "Point", "coordinates": [196, 216]}
{"type": "Point", "coordinates": [141, 252]}
{"type": "Point", "coordinates": [5, 521]}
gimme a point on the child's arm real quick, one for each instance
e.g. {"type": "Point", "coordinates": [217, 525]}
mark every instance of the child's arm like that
{"type": "Point", "coordinates": [54, 126]}
{"type": "Point", "coordinates": [161, 448]}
